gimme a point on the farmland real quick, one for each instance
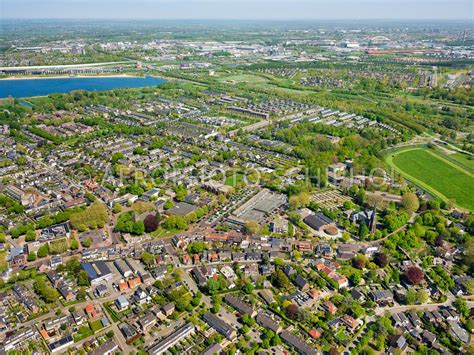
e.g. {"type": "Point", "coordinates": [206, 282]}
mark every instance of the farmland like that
{"type": "Point", "coordinates": [436, 175]}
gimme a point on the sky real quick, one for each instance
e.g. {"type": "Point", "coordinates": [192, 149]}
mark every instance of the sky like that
{"type": "Point", "coordinates": [240, 9]}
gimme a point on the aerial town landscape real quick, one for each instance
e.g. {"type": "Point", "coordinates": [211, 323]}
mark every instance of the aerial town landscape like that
{"type": "Point", "coordinates": [236, 187]}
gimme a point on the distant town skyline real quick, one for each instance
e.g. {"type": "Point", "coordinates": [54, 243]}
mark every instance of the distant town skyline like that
{"type": "Point", "coordinates": [241, 9]}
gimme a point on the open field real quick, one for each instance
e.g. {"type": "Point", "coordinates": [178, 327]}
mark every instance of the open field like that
{"type": "Point", "coordinates": [436, 175]}
{"type": "Point", "coordinates": [463, 159]}
{"type": "Point", "coordinates": [243, 78]}
{"type": "Point", "coordinates": [234, 179]}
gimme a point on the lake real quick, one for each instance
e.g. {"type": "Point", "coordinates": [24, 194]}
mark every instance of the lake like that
{"type": "Point", "coordinates": [43, 87]}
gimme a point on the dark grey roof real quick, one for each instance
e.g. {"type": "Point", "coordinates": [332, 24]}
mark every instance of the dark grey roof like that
{"type": "Point", "coordinates": [317, 220]}
{"type": "Point", "coordinates": [182, 209]}
{"type": "Point", "coordinates": [96, 269]}
{"type": "Point", "coordinates": [300, 281]}
{"type": "Point", "coordinates": [219, 325]}
{"type": "Point", "coordinates": [267, 322]}
{"type": "Point", "coordinates": [239, 305]}
{"type": "Point", "coordinates": [212, 349]}
{"type": "Point", "coordinates": [301, 346]}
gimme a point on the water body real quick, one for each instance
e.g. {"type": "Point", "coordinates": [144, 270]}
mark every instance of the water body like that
{"type": "Point", "coordinates": [42, 87]}
{"type": "Point", "coordinates": [25, 103]}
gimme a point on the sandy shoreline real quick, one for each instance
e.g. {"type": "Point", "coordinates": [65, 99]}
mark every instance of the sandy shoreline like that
{"type": "Point", "coordinates": [72, 77]}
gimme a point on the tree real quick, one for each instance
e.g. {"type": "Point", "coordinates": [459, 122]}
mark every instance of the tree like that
{"type": "Point", "coordinates": [215, 308]}
{"type": "Point", "coordinates": [180, 192]}
{"type": "Point", "coordinates": [175, 222]}
{"type": "Point", "coordinates": [375, 200]}
{"type": "Point", "coordinates": [414, 275]}
{"type": "Point", "coordinates": [116, 157]}
{"type": "Point", "coordinates": [410, 202]}
{"type": "Point", "coordinates": [360, 261]}
{"type": "Point", "coordinates": [117, 208]}
{"type": "Point", "coordinates": [196, 247]}
{"type": "Point", "coordinates": [383, 325]}
{"type": "Point", "coordinates": [357, 310]}
{"type": "Point", "coordinates": [43, 251]}
{"type": "Point", "coordinates": [292, 311]}
{"type": "Point", "coordinates": [410, 296]}
{"type": "Point", "coordinates": [461, 305]}
{"type": "Point", "coordinates": [355, 278]}
{"type": "Point", "coordinates": [248, 288]}
{"type": "Point", "coordinates": [276, 340]}
{"type": "Point", "coordinates": [32, 256]}
{"type": "Point", "coordinates": [74, 244]}
{"type": "Point", "coordinates": [381, 259]}
{"type": "Point", "coordinates": [279, 279]}
{"type": "Point", "coordinates": [30, 235]}
{"type": "Point", "coordinates": [168, 204]}
{"type": "Point", "coordinates": [298, 201]}
{"type": "Point", "coordinates": [82, 278]}
{"type": "Point", "coordinates": [422, 296]}
{"type": "Point", "coordinates": [147, 258]}
{"type": "Point", "coordinates": [47, 293]}
{"type": "Point", "coordinates": [304, 315]}
{"type": "Point", "coordinates": [138, 228]}
{"type": "Point", "coordinates": [212, 286]}
{"type": "Point", "coordinates": [380, 342]}
{"type": "Point", "coordinates": [439, 241]}
{"type": "Point", "coordinates": [86, 243]}
{"type": "Point", "coordinates": [363, 230]}
{"type": "Point", "coordinates": [469, 284]}
{"type": "Point", "coordinates": [191, 218]}
{"type": "Point", "coordinates": [251, 227]}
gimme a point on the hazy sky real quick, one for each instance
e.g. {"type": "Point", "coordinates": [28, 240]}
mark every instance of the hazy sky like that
{"type": "Point", "coordinates": [239, 9]}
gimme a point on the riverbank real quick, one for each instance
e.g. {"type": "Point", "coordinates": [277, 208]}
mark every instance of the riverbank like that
{"type": "Point", "coordinates": [32, 77]}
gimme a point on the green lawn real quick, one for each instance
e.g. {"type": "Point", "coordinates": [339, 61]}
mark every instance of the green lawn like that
{"type": "Point", "coordinates": [115, 317]}
{"type": "Point", "coordinates": [244, 78]}
{"type": "Point", "coordinates": [341, 336]}
{"type": "Point", "coordinates": [438, 176]}
{"type": "Point", "coordinates": [463, 159]}
{"type": "Point", "coordinates": [83, 332]}
{"type": "Point", "coordinates": [3, 261]}
{"type": "Point", "coordinates": [164, 233]}
{"type": "Point", "coordinates": [96, 325]}
{"type": "Point", "coordinates": [234, 179]}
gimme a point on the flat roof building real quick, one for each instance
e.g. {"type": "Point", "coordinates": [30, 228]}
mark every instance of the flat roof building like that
{"type": "Point", "coordinates": [123, 268]}
{"type": "Point", "coordinates": [97, 271]}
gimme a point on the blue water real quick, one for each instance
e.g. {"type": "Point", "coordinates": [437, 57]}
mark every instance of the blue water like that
{"type": "Point", "coordinates": [43, 87]}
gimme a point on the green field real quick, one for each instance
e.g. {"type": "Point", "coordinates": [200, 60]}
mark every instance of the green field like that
{"type": "Point", "coordinates": [438, 176]}
{"type": "Point", "coordinates": [234, 179]}
{"type": "Point", "coordinates": [244, 78]}
{"type": "Point", "coordinates": [96, 325]}
{"type": "Point", "coordinates": [463, 159]}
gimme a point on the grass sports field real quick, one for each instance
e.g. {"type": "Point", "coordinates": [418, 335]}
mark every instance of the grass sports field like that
{"type": "Point", "coordinates": [436, 175]}
{"type": "Point", "coordinates": [463, 159]}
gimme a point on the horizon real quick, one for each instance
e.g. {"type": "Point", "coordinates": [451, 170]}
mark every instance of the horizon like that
{"type": "Point", "coordinates": [266, 10]}
{"type": "Point", "coordinates": [233, 19]}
